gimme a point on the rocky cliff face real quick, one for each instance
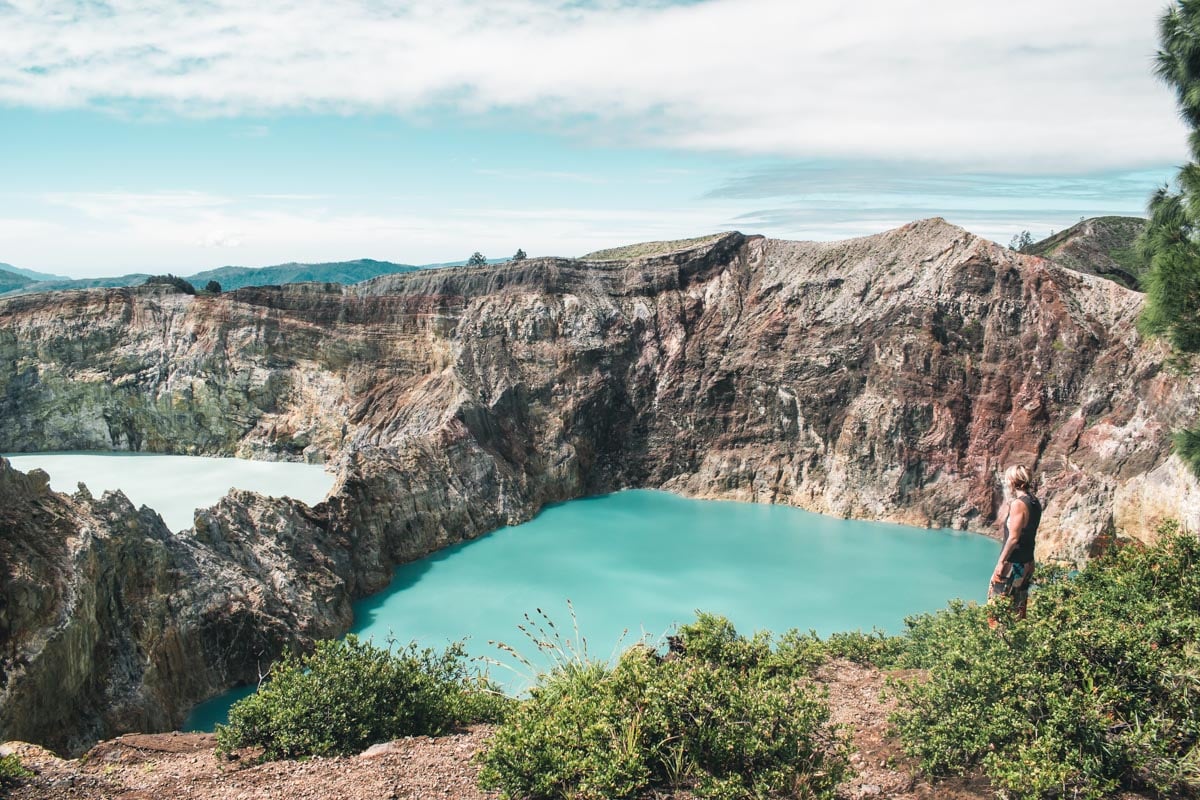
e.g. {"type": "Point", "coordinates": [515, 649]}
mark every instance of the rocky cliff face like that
{"type": "Point", "coordinates": [890, 377]}
{"type": "Point", "coordinates": [109, 622]}
{"type": "Point", "coordinates": [1104, 246]}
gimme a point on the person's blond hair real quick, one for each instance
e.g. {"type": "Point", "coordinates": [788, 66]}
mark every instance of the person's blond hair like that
{"type": "Point", "coordinates": [1017, 476]}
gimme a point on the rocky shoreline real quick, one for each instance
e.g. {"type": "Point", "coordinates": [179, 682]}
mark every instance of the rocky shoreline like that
{"type": "Point", "coordinates": [885, 378]}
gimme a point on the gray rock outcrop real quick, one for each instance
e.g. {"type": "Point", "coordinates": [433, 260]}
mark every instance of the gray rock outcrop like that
{"type": "Point", "coordinates": [889, 377]}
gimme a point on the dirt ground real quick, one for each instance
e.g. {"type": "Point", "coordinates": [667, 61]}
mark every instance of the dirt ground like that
{"type": "Point", "coordinates": [184, 766]}
{"type": "Point", "coordinates": [882, 770]}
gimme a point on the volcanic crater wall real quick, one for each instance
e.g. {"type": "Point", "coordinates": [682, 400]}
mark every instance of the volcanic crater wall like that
{"type": "Point", "coordinates": [889, 377]}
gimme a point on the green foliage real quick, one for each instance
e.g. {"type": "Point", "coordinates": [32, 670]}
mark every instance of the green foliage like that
{"type": "Point", "coordinates": [212, 287]}
{"type": "Point", "coordinates": [1020, 241]}
{"type": "Point", "coordinates": [349, 694]}
{"type": "Point", "coordinates": [875, 648]}
{"type": "Point", "coordinates": [519, 255]}
{"type": "Point", "coordinates": [11, 771]}
{"type": "Point", "coordinates": [726, 718]}
{"type": "Point", "coordinates": [1171, 239]}
{"type": "Point", "coordinates": [1173, 283]}
{"type": "Point", "coordinates": [1187, 446]}
{"type": "Point", "coordinates": [1098, 689]}
{"type": "Point", "coordinates": [713, 639]}
{"type": "Point", "coordinates": [170, 280]}
{"type": "Point", "coordinates": [477, 260]}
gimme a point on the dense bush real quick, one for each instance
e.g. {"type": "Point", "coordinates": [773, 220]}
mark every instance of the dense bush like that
{"type": "Point", "coordinates": [1098, 689]}
{"type": "Point", "coordinates": [182, 284]}
{"type": "Point", "coordinates": [11, 771]}
{"type": "Point", "coordinates": [349, 694]}
{"type": "Point", "coordinates": [728, 717]}
{"type": "Point", "coordinates": [874, 648]}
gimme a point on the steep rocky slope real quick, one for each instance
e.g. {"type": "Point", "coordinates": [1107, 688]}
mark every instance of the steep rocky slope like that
{"type": "Point", "coordinates": [1104, 246]}
{"type": "Point", "coordinates": [109, 622]}
{"type": "Point", "coordinates": [888, 377]}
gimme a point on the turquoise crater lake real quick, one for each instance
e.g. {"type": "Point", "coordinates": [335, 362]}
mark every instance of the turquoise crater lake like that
{"type": "Point", "coordinates": [643, 561]}
{"type": "Point", "coordinates": [631, 563]}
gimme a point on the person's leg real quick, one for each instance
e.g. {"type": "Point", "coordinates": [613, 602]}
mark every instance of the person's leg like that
{"type": "Point", "coordinates": [1000, 588]}
{"type": "Point", "coordinates": [1020, 589]}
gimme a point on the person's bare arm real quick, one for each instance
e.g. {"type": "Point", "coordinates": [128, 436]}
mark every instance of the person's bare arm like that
{"type": "Point", "coordinates": [1017, 515]}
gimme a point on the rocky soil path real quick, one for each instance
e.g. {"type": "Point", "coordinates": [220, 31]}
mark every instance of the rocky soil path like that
{"type": "Point", "coordinates": [184, 766]}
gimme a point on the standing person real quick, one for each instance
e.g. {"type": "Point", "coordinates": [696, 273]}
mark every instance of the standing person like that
{"type": "Point", "coordinates": [1014, 568]}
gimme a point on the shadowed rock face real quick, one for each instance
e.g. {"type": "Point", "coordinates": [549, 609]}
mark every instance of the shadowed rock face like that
{"type": "Point", "coordinates": [109, 622]}
{"type": "Point", "coordinates": [889, 377]}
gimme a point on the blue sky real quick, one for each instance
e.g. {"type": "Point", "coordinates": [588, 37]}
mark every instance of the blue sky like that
{"type": "Point", "coordinates": [141, 135]}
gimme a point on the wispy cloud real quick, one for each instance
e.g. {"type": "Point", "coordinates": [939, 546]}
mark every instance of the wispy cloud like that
{"type": "Point", "coordinates": [122, 205]}
{"type": "Point", "coordinates": [879, 179]}
{"type": "Point", "coordinates": [295, 198]}
{"type": "Point", "coordinates": [537, 175]}
{"type": "Point", "coordinates": [1029, 87]}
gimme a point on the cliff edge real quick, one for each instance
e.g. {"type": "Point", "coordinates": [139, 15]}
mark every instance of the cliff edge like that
{"type": "Point", "coordinates": [889, 377]}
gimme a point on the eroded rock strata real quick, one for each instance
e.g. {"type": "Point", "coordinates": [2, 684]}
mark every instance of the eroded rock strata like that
{"type": "Point", "coordinates": [888, 377]}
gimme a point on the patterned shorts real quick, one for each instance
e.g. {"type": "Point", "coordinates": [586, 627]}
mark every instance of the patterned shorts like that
{"type": "Point", "coordinates": [1014, 583]}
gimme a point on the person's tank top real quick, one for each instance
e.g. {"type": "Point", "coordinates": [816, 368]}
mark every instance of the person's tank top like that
{"type": "Point", "coordinates": [1024, 552]}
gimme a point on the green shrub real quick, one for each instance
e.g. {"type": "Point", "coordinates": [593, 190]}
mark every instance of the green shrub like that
{"type": "Point", "coordinates": [1098, 689]}
{"type": "Point", "coordinates": [875, 648]}
{"type": "Point", "coordinates": [182, 284]}
{"type": "Point", "coordinates": [726, 718]}
{"type": "Point", "coordinates": [1187, 446]}
{"type": "Point", "coordinates": [349, 694]}
{"type": "Point", "coordinates": [11, 770]}
{"type": "Point", "coordinates": [713, 639]}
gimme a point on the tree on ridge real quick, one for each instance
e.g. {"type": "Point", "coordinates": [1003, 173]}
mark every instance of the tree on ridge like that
{"type": "Point", "coordinates": [1170, 242]}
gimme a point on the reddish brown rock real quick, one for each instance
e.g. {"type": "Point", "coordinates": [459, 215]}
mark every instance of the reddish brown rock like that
{"type": "Point", "coordinates": [889, 377]}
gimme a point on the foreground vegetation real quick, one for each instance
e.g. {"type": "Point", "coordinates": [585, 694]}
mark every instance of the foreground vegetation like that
{"type": "Point", "coordinates": [349, 694]}
{"type": "Point", "coordinates": [11, 772]}
{"type": "Point", "coordinates": [1097, 690]}
{"type": "Point", "coordinates": [724, 716]}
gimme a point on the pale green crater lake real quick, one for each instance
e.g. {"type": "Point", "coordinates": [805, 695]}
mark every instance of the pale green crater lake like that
{"type": "Point", "coordinates": [175, 486]}
{"type": "Point", "coordinates": [644, 561]}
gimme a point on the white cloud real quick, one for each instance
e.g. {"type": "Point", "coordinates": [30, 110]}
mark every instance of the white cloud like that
{"type": "Point", "coordinates": [121, 205]}
{"type": "Point", "coordinates": [221, 238]}
{"type": "Point", "coordinates": [115, 233]}
{"type": "Point", "coordinates": [1029, 85]}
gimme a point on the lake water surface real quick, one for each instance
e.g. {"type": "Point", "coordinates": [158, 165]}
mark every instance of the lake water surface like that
{"type": "Point", "coordinates": [631, 563]}
{"type": "Point", "coordinates": [175, 486]}
{"type": "Point", "coordinates": [641, 562]}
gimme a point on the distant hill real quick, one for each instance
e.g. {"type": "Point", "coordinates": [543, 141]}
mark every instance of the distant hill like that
{"type": "Point", "coordinates": [28, 273]}
{"type": "Point", "coordinates": [1103, 246]}
{"type": "Point", "coordinates": [12, 280]}
{"type": "Point", "coordinates": [345, 272]}
{"type": "Point", "coordinates": [59, 284]}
